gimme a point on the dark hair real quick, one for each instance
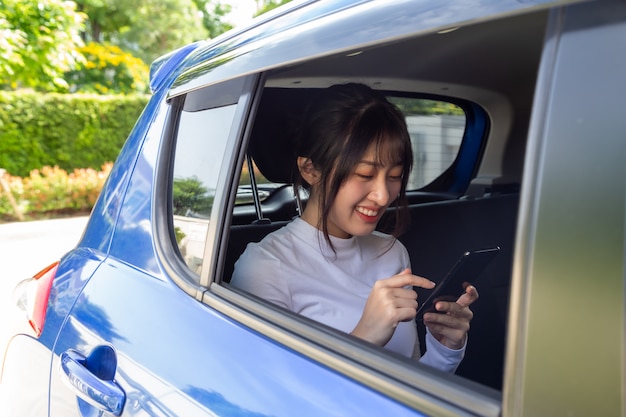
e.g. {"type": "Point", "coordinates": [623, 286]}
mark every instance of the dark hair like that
{"type": "Point", "coordinates": [340, 125]}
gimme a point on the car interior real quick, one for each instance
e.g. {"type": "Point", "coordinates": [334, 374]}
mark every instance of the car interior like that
{"type": "Point", "coordinates": [489, 69]}
{"type": "Point", "coordinates": [443, 225]}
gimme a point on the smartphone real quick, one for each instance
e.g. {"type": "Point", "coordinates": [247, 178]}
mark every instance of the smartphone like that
{"type": "Point", "coordinates": [467, 269]}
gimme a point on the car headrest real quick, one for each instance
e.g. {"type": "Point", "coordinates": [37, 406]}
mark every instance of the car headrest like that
{"type": "Point", "coordinates": [275, 130]}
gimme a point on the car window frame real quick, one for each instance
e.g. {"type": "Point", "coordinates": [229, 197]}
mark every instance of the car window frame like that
{"type": "Point", "coordinates": [411, 383]}
{"type": "Point", "coordinates": [165, 241]}
{"type": "Point", "coordinates": [395, 376]}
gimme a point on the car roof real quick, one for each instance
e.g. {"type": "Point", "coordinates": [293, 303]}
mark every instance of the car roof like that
{"type": "Point", "coordinates": [318, 29]}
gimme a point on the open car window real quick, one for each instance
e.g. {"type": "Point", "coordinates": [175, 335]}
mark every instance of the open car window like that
{"type": "Point", "coordinates": [449, 132]}
{"type": "Point", "coordinates": [437, 128]}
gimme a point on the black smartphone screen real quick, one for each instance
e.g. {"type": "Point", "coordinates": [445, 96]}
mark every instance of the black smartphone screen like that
{"type": "Point", "coordinates": [467, 269]}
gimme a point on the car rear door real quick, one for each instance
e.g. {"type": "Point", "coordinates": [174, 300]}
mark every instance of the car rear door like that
{"type": "Point", "coordinates": [567, 332]}
{"type": "Point", "coordinates": [139, 342]}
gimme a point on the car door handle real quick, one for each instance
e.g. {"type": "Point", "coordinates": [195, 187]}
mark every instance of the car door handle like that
{"type": "Point", "coordinates": [92, 379]}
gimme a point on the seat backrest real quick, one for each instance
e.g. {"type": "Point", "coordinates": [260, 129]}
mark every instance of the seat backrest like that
{"type": "Point", "coordinates": [438, 234]}
{"type": "Point", "coordinates": [276, 127]}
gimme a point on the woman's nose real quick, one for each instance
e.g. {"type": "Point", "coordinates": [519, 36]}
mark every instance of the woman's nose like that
{"type": "Point", "coordinates": [380, 193]}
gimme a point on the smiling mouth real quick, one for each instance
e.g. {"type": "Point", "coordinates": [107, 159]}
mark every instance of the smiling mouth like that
{"type": "Point", "coordinates": [367, 212]}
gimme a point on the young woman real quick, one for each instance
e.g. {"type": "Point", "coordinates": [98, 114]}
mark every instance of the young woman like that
{"type": "Point", "coordinates": [354, 155]}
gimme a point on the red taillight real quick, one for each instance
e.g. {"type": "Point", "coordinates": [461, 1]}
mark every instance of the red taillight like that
{"type": "Point", "coordinates": [32, 296]}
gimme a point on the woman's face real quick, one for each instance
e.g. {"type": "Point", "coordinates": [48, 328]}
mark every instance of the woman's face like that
{"type": "Point", "coordinates": [364, 196]}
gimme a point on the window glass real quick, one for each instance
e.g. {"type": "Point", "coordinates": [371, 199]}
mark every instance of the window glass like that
{"type": "Point", "coordinates": [200, 146]}
{"type": "Point", "coordinates": [436, 129]}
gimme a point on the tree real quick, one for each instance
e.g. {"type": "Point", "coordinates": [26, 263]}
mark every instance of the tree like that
{"type": "Point", "coordinates": [411, 106]}
{"type": "Point", "coordinates": [147, 29]}
{"type": "Point", "coordinates": [106, 18]}
{"type": "Point", "coordinates": [160, 26]}
{"type": "Point", "coordinates": [38, 42]}
{"type": "Point", "coordinates": [264, 6]}
{"type": "Point", "coordinates": [108, 70]}
{"type": "Point", "coordinates": [213, 12]}
{"type": "Point", "coordinates": [191, 197]}
{"type": "Point", "coordinates": [116, 31]}
{"type": "Point", "coordinates": [11, 41]}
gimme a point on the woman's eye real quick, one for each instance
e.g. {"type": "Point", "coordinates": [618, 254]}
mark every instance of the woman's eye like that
{"type": "Point", "coordinates": [395, 177]}
{"type": "Point", "coordinates": [365, 176]}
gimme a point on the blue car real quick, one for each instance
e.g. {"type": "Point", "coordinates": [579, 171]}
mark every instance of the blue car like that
{"type": "Point", "coordinates": [516, 115]}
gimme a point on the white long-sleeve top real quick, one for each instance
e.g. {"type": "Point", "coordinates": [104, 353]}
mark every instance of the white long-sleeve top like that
{"type": "Point", "coordinates": [295, 268]}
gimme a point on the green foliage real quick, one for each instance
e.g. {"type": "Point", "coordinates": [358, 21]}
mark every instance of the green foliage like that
{"type": "Point", "coordinates": [108, 70]}
{"type": "Point", "coordinates": [41, 42]}
{"type": "Point", "coordinates": [147, 29]}
{"type": "Point", "coordinates": [179, 234]}
{"type": "Point", "coordinates": [267, 5]}
{"type": "Point", "coordinates": [411, 106]}
{"type": "Point", "coordinates": [38, 42]}
{"type": "Point", "coordinates": [52, 190]}
{"type": "Point", "coordinates": [213, 13]}
{"type": "Point", "coordinates": [106, 18]}
{"type": "Point", "coordinates": [11, 41]}
{"type": "Point", "coordinates": [70, 131]}
{"type": "Point", "coordinates": [160, 26]}
{"type": "Point", "coordinates": [191, 197]}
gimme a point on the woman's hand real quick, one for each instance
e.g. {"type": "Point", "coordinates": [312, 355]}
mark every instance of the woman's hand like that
{"type": "Point", "coordinates": [452, 322]}
{"type": "Point", "coordinates": [390, 302]}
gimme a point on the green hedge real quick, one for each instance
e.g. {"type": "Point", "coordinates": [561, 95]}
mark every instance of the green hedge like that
{"type": "Point", "coordinates": [65, 130]}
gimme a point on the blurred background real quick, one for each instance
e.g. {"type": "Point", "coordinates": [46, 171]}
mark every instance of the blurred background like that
{"type": "Point", "coordinates": [73, 81]}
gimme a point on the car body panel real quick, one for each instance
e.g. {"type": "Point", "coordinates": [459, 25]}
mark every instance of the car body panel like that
{"type": "Point", "coordinates": [102, 222]}
{"type": "Point", "coordinates": [189, 345]}
{"type": "Point", "coordinates": [302, 37]}
{"type": "Point", "coordinates": [196, 361]}
{"type": "Point", "coordinates": [569, 269]}
{"type": "Point", "coordinates": [135, 216]}
{"type": "Point", "coordinates": [26, 370]}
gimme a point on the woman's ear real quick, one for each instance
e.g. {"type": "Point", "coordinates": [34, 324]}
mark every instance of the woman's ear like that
{"type": "Point", "coordinates": [308, 171]}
